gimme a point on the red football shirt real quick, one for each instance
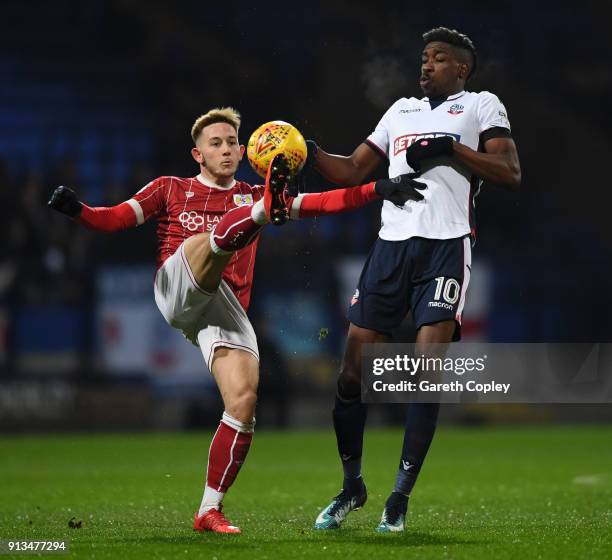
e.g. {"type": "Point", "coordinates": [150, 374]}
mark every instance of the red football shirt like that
{"type": "Point", "coordinates": [184, 207]}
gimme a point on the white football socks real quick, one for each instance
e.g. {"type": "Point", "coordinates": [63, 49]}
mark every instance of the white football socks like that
{"type": "Point", "coordinates": [211, 500]}
{"type": "Point", "coordinates": [237, 424]}
{"type": "Point", "coordinates": [258, 213]}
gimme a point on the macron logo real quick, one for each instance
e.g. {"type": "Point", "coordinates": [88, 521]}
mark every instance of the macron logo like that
{"type": "Point", "coordinates": [401, 143]}
{"type": "Point", "coordinates": [189, 194]}
{"type": "Point", "coordinates": [406, 465]}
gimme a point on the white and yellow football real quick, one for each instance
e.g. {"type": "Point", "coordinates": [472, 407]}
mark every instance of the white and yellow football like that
{"type": "Point", "coordinates": [276, 137]}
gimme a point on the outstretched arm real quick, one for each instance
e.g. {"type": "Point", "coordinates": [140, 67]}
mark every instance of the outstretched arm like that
{"type": "Point", "coordinates": [112, 218]}
{"type": "Point", "coordinates": [397, 190]}
{"type": "Point", "coordinates": [347, 170]}
{"type": "Point", "coordinates": [332, 202]}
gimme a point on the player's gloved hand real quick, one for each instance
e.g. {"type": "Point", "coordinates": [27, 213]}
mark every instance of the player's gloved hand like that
{"type": "Point", "coordinates": [312, 148]}
{"type": "Point", "coordinates": [300, 182]}
{"type": "Point", "coordinates": [427, 148]}
{"type": "Point", "coordinates": [401, 189]}
{"type": "Point", "coordinates": [65, 200]}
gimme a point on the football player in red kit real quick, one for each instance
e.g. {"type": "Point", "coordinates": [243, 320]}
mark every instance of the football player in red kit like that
{"type": "Point", "coordinates": [208, 230]}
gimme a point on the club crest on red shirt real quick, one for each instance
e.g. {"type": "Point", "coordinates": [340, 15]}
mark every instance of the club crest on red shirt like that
{"type": "Point", "coordinates": [243, 199]}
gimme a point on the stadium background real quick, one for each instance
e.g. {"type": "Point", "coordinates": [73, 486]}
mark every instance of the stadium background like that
{"type": "Point", "coordinates": [100, 96]}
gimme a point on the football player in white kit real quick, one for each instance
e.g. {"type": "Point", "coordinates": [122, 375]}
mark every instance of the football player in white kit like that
{"type": "Point", "coordinates": [421, 260]}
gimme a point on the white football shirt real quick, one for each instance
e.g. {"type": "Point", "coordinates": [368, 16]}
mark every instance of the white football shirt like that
{"type": "Point", "coordinates": [446, 211]}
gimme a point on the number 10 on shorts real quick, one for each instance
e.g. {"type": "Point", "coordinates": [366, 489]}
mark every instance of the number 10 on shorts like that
{"type": "Point", "coordinates": [447, 288]}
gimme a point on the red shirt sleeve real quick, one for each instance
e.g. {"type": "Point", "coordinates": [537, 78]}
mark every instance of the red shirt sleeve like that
{"type": "Point", "coordinates": [333, 202]}
{"type": "Point", "coordinates": [146, 203]}
{"type": "Point", "coordinates": [112, 218]}
{"type": "Point", "coordinates": [150, 201]}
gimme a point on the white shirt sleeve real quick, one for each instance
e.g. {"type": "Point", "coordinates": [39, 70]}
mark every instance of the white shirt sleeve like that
{"type": "Point", "coordinates": [379, 139]}
{"type": "Point", "coordinates": [491, 112]}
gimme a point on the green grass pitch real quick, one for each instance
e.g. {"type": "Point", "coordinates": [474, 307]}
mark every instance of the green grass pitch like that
{"type": "Point", "coordinates": [484, 493]}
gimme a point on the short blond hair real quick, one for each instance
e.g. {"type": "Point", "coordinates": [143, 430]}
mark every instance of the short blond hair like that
{"type": "Point", "coordinates": [227, 115]}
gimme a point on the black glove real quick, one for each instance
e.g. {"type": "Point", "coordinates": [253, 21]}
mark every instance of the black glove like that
{"type": "Point", "coordinates": [427, 148]}
{"type": "Point", "coordinates": [65, 200]}
{"type": "Point", "coordinates": [307, 174]}
{"type": "Point", "coordinates": [400, 189]}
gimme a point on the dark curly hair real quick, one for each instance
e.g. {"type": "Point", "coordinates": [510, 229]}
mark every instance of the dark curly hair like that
{"type": "Point", "coordinates": [458, 40]}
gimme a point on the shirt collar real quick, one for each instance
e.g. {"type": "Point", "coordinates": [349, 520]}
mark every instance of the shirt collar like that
{"type": "Point", "coordinates": [450, 97]}
{"type": "Point", "coordinates": [212, 185]}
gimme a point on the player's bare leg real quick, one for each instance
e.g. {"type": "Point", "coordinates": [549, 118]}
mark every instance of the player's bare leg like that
{"type": "Point", "coordinates": [349, 423]}
{"type": "Point", "coordinates": [421, 421]}
{"type": "Point", "coordinates": [237, 375]}
{"type": "Point", "coordinates": [207, 267]}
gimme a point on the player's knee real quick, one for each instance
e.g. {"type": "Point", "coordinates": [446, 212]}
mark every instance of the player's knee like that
{"type": "Point", "coordinates": [242, 406]}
